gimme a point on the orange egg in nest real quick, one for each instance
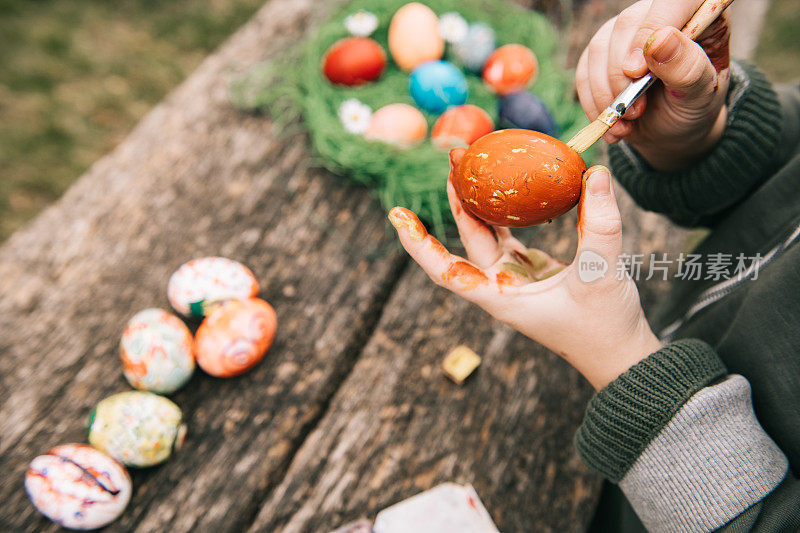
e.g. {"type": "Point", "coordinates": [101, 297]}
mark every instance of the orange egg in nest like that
{"type": "Point", "coordinates": [510, 68]}
{"type": "Point", "coordinates": [518, 178]}
{"type": "Point", "coordinates": [461, 126]}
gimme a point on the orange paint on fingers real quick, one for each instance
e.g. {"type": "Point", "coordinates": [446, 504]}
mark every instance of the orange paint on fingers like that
{"type": "Point", "coordinates": [581, 212]}
{"type": "Point", "coordinates": [466, 275]}
{"type": "Point", "coordinates": [400, 217]}
{"type": "Point", "coordinates": [507, 279]}
{"type": "Point", "coordinates": [437, 247]}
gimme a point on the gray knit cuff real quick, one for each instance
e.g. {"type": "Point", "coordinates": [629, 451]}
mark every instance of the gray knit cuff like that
{"type": "Point", "coordinates": [740, 162]}
{"type": "Point", "coordinates": [626, 415]}
{"type": "Point", "coordinates": [711, 462]}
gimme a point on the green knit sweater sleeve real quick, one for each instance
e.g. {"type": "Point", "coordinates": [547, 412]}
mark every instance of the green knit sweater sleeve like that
{"type": "Point", "coordinates": [625, 416]}
{"type": "Point", "coordinates": [744, 158]}
{"type": "Point", "coordinates": [680, 437]}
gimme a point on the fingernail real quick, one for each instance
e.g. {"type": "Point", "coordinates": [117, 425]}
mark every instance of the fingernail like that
{"type": "Point", "coordinates": [663, 45]}
{"type": "Point", "coordinates": [394, 217]}
{"type": "Point", "coordinates": [634, 61]}
{"type": "Point", "coordinates": [400, 217]}
{"type": "Point", "coordinates": [599, 181]}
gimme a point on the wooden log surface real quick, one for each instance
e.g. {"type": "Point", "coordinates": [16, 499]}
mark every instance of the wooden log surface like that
{"type": "Point", "coordinates": [349, 412]}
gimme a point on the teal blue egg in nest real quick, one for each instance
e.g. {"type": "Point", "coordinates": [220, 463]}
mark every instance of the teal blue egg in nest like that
{"type": "Point", "coordinates": [437, 85]}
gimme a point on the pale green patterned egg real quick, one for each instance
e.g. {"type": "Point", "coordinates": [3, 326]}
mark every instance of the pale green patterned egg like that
{"type": "Point", "coordinates": [137, 428]}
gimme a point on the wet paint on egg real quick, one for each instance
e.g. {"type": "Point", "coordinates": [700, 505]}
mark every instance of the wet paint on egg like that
{"type": "Point", "coordinates": [510, 68]}
{"type": "Point", "coordinates": [461, 126]}
{"type": "Point", "coordinates": [526, 111]}
{"type": "Point", "coordinates": [474, 49]}
{"type": "Point", "coordinates": [518, 178]}
{"type": "Point", "coordinates": [354, 61]}
{"type": "Point", "coordinates": [414, 36]}
{"type": "Point", "coordinates": [235, 337]}
{"type": "Point", "coordinates": [156, 352]}
{"type": "Point", "coordinates": [201, 284]}
{"type": "Point", "coordinates": [137, 428]}
{"type": "Point", "coordinates": [437, 85]}
{"type": "Point", "coordinates": [78, 487]}
{"type": "Point", "coordinates": [402, 125]}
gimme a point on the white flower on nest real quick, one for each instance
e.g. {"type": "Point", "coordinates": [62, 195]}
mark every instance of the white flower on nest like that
{"type": "Point", "coordinates": [452, 27]}
{"type": "Point", "coordinates": [361, 23]}
{"type": "Point", "coordinates": [355, 116]}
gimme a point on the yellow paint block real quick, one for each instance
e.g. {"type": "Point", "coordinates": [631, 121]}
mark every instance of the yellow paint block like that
{"type": "Point", "coordinates": [460, 363]}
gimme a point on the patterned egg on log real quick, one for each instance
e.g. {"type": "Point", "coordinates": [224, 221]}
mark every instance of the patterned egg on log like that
{"type": "Point", "coordinates": [78, 487]}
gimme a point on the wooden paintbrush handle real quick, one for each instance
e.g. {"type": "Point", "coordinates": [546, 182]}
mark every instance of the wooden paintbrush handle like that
{"type": "Point", "coordinates": [707, 13]}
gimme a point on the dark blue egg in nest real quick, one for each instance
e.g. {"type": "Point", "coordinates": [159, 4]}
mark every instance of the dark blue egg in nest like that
{"type": "Point", "coordinates": [525, 110]}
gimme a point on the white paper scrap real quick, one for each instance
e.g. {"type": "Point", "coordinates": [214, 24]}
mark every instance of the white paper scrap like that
{"type": "Point", "coordinates": [446, 508]}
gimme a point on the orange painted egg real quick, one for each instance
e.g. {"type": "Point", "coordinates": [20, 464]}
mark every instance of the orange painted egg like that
{"type": "Point", "coordinates": [354, 61]}
{"type": "Point", "coordinates": [510, 68]}
{"type": "Point", "coordinates": [402, 125]}
{"type": "Point", "coordinates": [461, 126]}
{"type": "Point", "coordinates": [518, 178]}
{"type": "Point", "coordinates": [235, 337]}
{"type": "Point", "coordinates": [414, 36]}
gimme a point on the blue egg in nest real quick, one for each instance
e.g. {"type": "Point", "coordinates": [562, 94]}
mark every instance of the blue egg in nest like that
{"type": "Point", "coordinates": [525, 110]}
{"type": "Point", "coordinates": [437, 85]}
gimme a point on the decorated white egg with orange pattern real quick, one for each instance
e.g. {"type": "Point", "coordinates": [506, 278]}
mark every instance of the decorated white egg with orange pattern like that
{"type": "Point", "coordinates": [200, 285]}
{"type": "Point", "coordinates": [156, 351]}
{"type": "Point", "coordinates": [78, 486]}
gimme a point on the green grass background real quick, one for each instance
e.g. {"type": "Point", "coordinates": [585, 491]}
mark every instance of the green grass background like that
{"type": "Point", "coordinates": [76, 75]}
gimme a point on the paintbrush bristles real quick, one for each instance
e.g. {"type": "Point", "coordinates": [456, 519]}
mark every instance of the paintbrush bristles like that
{"type": "Point", "coordinates": [588, 136]}
{"type": "Point", "coordinates": [592, 133]}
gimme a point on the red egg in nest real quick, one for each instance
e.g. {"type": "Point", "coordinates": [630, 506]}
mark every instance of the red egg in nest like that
{"type": "Point", "coordinates": [461, 126]}
{"type": "Point", "coordinates": [354, 61]}
{"type": "Point", "coordinates": [518, 178]}
{"type": "Point", "coordinates": [510, 68]}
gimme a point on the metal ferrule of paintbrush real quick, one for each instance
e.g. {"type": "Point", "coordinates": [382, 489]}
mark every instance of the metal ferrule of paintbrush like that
{"type": "Point", "coordinates": [625, 100]}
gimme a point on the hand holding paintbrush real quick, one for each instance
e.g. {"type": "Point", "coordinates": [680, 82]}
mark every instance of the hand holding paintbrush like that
{"type": "Point", "coordinates": [695, 84]}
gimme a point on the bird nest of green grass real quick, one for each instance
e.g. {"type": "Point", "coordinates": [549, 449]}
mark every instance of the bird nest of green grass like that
{"type": "Point", "coordinates": [293, 87]}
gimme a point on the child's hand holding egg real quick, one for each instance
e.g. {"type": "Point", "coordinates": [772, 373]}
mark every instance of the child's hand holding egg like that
{"type": "Point", "coordinates": [551, 302]}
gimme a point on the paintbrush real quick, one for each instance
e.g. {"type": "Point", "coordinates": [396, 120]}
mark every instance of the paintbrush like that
{"type": "Point", "coordinates": [702, 19]}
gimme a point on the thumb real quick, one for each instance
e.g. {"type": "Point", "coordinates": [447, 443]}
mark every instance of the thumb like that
{"type": "Point", "coordinates": [681, 64]}
{"type": "Point", "coordinates": [599, 221]}
{"type": "Point", "coordinates": [456, 155]}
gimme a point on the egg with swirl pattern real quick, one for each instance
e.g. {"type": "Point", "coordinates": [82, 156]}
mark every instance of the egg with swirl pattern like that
{"type": "Point", "coordinates": [518, 178]}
